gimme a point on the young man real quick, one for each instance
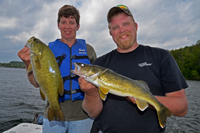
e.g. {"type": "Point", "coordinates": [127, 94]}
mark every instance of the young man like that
{"type": "Point", "coordinates": [155, 66]}
{"type": "Point", "coordinates": [67, 50]}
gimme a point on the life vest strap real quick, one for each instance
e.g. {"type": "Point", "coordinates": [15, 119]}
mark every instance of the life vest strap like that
{"type": "Point", "coordinates": [61, 58]}
{"type": "Point", "coordinates": [79, 57]}
{"type": "Point", "coordinates": [71, 76]}
{"type": "Point", "coordinates": [70, 92]}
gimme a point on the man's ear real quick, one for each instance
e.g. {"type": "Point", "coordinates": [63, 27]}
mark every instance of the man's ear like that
{"type": "Point", "coordinates": [78, 27]}
{"type": "Point", "coordinates": [136, 26]}
{"type": "Point", "coordinates": [58, 26]}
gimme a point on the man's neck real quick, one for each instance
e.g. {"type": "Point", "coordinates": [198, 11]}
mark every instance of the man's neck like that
{"type": "Point", "coordinates": [69, 43]}
{"type": "Point", "coordinates": [128, 50]}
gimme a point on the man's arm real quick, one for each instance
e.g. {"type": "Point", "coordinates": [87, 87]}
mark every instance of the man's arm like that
{"type": "Point", "coordinates": [24, 55]}
{"type": "Point", "coordinates": [176, 102]}
{"type": "Point", "coordinates": [92, 102]}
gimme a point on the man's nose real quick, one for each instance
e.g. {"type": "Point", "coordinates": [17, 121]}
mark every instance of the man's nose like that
{"type": "Point", "coordinates": [67, 25]}
{"type": "Point", "coordinates": [121, 29]}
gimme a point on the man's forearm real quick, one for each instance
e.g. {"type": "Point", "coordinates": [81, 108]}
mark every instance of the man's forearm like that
{"type": "Point", "coordinates": [92, 105]}
{"type": "Point", "coordinates": [32, 80]}
{"type": "Point", "coordinates": [30, 75]}
{"type": "Point", "coordinates": [176, 102]}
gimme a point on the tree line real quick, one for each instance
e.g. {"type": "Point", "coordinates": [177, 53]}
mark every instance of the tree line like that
{"type": "Point", "coordinates": [188, 60]}
{"type": "Point", "coordinates": [13, 64]}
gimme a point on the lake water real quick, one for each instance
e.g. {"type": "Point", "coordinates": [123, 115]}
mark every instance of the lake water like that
{"type": "Point", "coordinates": [19, 101]}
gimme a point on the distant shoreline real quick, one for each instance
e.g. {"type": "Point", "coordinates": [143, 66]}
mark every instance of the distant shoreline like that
{"type": "Point", "coordinates": [13, 64]}
{"type": "Point", "coordinates": [12, 67]}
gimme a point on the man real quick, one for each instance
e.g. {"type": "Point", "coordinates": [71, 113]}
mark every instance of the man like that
{"type": "Point", "coordinates": [152, 65]}
{"type": "Point", "coordinates": [67, 50]}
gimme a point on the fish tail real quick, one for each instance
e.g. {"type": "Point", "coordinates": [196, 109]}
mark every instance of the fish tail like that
{"type": "Point", "coordinates": [55, 114]}
{"type": "Point", "coordinates": [162, 116]}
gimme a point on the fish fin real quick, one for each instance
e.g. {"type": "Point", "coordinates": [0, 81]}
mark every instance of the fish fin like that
{"type": "Point", "coordinates": [97, 75]}
{"type": "Point", "coordinates": [41, 50]}
{"type": "Point", "coordinates": [55, 114]}
{"type": "Point", "coordinates": [103, 90]}
{"type": "Point", "coordinates": [42, 95]}
{"type": "Point", "coordinates": [163, 113]}
{"type": "Point", "coordinates": [29, 68]}
{"type": "Point", "coordinates": [61, 90]}
{"type": "Point", "coordinates": [37, 63]}
{"type": "Point", "coordinates": [101, 73]}
{"type": "Point", "coordinates": [144, 83]}
{"type": "Point", "coordinates": [102, 95]}
{"type": "Point", "coordinates": [141, 104]}
{"type": "Point", "coordinates": [92, 77]}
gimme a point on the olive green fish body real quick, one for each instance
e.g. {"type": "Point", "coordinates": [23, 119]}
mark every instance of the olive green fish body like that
{"type": "Point", "coordinates": [111, 82]}
{"type": "Point", "coordinates": [47, 75]}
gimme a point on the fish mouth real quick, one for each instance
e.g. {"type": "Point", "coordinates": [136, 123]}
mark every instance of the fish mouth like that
{"type": "Point", "coordinates": [78, 72]}
{"type": "Point", "coordinates": [28, 44]}
{"type": "Point", "coordinates": [77, 69]}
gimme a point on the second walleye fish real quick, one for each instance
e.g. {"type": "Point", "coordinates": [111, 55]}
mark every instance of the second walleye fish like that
{"type": "Point", "coordinates": [111, 82]}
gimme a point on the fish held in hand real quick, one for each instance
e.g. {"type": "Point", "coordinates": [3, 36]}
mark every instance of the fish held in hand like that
{"type": "Point", "coordinates": [111, 82]}
{"type": "Point", "coordinates": [47, 74]}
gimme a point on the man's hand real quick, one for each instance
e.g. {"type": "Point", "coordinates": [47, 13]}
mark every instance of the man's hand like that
{"type": "Point", "coordinates": [24, 55]}
{"type": "Point", "coordinates": [87, 87]}
{"type": "Point", "coordinates": [131, 99]}
{"type": "Point", "coordinates": [92, 102]}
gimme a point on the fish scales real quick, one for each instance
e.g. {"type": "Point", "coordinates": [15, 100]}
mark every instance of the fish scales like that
{"type": "Point", "coordinates": [111, 82]}
{"type": "Point", "coordinates": [47, 75]}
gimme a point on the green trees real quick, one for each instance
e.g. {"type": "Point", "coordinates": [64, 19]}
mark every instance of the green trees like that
{"type": "Point", "coordinates": [15, 64]}
{"type": "Point", "coordinates": [188, 60]}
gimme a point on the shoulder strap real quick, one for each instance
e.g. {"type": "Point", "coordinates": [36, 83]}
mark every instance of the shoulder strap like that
{"type": "Point", "coordinates": [61, 58]}
{"type": "Point", "coordinates": [71, 76]}
{"type": "Point", "coordinates": [79, 57]}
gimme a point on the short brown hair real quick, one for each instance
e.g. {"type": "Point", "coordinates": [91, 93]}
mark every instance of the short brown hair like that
{"type": "Point", "coordinates": [69, 11]}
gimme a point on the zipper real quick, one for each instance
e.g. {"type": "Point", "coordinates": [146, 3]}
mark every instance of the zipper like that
{"type": "Point", "coordinates": [70, 71]}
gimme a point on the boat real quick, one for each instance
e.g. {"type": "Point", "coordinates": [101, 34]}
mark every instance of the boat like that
{"type": "Point", "coordinates": [25, 128]}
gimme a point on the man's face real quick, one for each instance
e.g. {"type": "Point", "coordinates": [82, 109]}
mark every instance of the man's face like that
{"type": "Point", "coordinates": [68, 28]}
{"type": "Point", "coordinates": [123, 31]}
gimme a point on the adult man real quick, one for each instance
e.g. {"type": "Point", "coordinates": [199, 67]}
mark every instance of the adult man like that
{"type": "Point", "coordinates": [152, 65]}
{"type": "Point", "coordinates": [67, 50]}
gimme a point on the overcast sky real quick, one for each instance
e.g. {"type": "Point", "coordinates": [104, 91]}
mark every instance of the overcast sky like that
{"type": "Point", "coordinates": [168, 24]}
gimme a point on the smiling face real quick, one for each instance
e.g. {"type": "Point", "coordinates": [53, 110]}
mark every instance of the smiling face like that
{"type": "Point", "coordinates": [123, 30]}
{"type": "Point", "coordinates": [68, 28]}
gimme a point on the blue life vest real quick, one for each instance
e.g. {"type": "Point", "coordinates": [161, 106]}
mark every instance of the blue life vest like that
{"type": "Point", "coordinates": [65, 57]}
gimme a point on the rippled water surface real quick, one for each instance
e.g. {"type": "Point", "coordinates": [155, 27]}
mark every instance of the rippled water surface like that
{"type": "Point", "coordinates": [19, 101]}
{"type": "Point", "coordinates": [190, 123]}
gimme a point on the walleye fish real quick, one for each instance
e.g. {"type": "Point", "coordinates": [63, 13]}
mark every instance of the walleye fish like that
{"type": "Point", "coordinates": [47, 74]}
{"type": "Point", "coordinates": [111, 82]}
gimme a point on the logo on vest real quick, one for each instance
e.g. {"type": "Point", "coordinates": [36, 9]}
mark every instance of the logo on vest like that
{"type": "Point", "coordinates": [144, 64]}
{"type": "Point", "coordinates": [82, 51]}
